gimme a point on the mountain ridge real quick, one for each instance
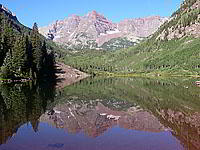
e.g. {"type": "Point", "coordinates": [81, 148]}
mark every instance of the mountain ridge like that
{"type": "Point", "coordinates": [8, 12]}
{"type": "Point", "coordinates": [92, 30]}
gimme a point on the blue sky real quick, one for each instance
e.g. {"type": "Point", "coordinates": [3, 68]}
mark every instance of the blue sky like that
{"type": "Point", "coordinates": [45, 12]}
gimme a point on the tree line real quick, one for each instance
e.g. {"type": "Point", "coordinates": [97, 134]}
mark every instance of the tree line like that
{"type": "Point", "coordinates": [24, 55]}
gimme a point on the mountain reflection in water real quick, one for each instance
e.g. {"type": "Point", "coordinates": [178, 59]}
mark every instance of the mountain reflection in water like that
{"type": "Point", "coordinates": [101, 113]}
{"type": "Point", "coordinates": [94, 120]}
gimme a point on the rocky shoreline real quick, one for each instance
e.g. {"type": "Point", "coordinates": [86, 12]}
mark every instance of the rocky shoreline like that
{"type": "Point", "coordinates": [67, 75]}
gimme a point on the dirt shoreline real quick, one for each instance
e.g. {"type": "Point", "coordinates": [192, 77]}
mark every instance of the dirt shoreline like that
{"type": "Point", "coordinates": [67, 75]}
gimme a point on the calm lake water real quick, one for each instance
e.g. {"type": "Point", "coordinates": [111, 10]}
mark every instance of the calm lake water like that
{"type": "Point", "coordinates": [101, 114]}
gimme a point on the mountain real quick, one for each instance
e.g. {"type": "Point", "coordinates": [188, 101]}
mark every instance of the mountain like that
{"type": "Point", "coordinates": [8, 12]}
{"type": "Point", "coordinates": [172, 49]}
{"type": "Point", "coordinates": [9, 16]}
{"type": "Point", "coordinates": [184, 22]}
{"type": "Point", "coordinates": [94, 31]}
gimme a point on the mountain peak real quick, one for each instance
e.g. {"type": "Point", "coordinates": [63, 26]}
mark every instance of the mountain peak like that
{"type": "Point", "coordinates": [94, 12]}
{"type": "Point", "coordinates": [7, 12]}
{"type": "Point", "coordinates": [3, 8]}
{"type": "Point", "coordinates": [93, 30]}
{"type": "Point", "coordinates": [94, 15]}
{"type": "Point", "coordinates": [73, 16]}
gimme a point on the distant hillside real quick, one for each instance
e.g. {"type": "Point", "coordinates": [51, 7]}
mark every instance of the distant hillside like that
{"type": "Point", "coordinates": [94, 31]}
{"type": "Point", "coordinates": [173, 49]}
{"type": "Point", "coordinates": [184, 22]}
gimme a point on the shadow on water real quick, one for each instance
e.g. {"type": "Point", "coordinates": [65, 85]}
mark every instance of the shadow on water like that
{"type": "Point", "coordinates": [23, 103]}
{"type": "Point", "coordinates": [96, 107]}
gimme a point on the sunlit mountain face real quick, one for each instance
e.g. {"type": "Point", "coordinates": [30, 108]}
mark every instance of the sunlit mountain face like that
{"type": "Point", "coordinates": [94, 31]}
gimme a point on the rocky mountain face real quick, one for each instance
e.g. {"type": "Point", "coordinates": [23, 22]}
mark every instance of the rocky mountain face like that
{"type": "Point", "coordinates": [184, 22]}
{"type": "Point", "coordinates": [94, 31]}
{"type": "Point", "coordinates": [9, 16]}
{"type": "Point", "coordinates": [7, 12]}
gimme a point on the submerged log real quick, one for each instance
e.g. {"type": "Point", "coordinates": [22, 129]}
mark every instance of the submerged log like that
{"type": "Point", "coordinates": [15, 80]}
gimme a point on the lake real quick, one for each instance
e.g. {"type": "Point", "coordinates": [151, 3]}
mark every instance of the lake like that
{"type": "Point", "coordinates": [101, 114]}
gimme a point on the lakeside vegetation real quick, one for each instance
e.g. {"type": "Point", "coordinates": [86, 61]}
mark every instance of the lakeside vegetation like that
{"type": "Point", "coordinates": [23, 52]}
{"type": "Point", "coordinates": [174, 57]}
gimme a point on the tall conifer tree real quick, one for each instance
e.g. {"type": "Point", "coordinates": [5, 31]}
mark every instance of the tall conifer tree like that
{"type": "Point", "coordinates": [36, 50]}
{"type": "Point", "coordinates": [7, 68]}
{"type": "Point", "coordinates": [19, 56]}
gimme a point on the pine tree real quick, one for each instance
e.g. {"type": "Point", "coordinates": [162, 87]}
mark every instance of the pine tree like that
{"type": "Point", "coordinates": [7, 40]}
{"type": "Point", "coordinates": [8, 36]}
{"type": "Point", "coordinates": [44, 58]}
{"type": "Point", "coordinates": [23, 56]}
{"type": "Point", "coordinates": [35, 38]}
{"type": "Point", "coordinates": [1, 50]}
{"type": "Point", "coordinates": [1, 46]}
{"type": "Point", "coordinates": [28, 58]}
{"type": "Point", "coordinates": [36, 50]}
{"type": "Point", "coordinates": [37, 59]}
{"type": "Point", "coordinates": [7, 68]}
{"type": "Point", "coordinates": [19, 56]}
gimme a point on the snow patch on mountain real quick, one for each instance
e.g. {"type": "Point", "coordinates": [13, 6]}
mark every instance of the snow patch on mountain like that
{"type": "Point", "coordinates": [91, 31]}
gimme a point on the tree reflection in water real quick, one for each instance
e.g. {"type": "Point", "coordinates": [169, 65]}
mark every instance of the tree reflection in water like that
{"type": "Point", "coordinates": [94, 106]}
